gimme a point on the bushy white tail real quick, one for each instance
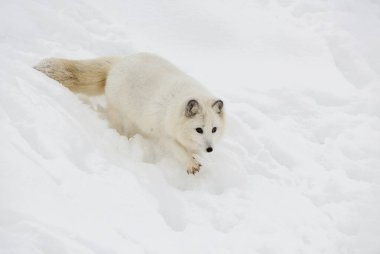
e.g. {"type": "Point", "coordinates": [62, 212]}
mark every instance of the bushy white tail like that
{"type": "Point", "coordinates": [81, 76]}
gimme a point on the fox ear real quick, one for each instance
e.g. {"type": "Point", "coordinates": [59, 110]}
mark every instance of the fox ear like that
{"type": "Point", "coordinates": [192, 108]}
{"type": "Point", "coordinates": [218, 106]}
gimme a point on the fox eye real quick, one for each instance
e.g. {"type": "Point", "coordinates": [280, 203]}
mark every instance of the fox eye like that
{"type": "Point", "coordinates": [214, 130]}
{"type": "Point", "coordinates": [199, 130]}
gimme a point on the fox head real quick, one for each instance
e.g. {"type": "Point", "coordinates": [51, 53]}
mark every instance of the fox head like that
{"type": "Point", "coordinates": [202, 125]}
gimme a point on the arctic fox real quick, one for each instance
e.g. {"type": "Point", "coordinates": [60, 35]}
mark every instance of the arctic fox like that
{"type": "Point", "coordinates": [148, 95]}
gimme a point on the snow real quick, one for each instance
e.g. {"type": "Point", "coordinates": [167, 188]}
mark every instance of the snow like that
{"type": "Point", "coordinates": [298, 170]}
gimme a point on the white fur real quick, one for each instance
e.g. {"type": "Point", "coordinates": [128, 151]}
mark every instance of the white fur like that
{"type": "Point", "coordinates": [148, 95]}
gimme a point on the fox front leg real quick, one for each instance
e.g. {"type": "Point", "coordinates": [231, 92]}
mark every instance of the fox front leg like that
{"type": "Point", "coordinates": [194, 165]}
{"type": "Point", "coordinates": [186, 158]}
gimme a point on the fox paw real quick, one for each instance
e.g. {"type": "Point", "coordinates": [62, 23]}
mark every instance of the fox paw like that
{"type": "Point", "coordinates": [193, 168]}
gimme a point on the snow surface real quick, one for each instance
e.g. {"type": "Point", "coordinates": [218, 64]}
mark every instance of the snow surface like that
{"type": "Point", "coordinates": [297, 172]}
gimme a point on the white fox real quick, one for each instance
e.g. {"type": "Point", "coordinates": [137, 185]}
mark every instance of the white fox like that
{"type": "Point", "coordinates": [148, 95]}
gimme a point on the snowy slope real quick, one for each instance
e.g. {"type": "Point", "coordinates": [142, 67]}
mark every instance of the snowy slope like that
{"type": "Point", "coordinates": [297, 172]}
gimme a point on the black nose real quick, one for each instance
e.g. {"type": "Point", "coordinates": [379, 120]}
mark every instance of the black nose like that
{"type": "Point", "coordinates": [209, 149]}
